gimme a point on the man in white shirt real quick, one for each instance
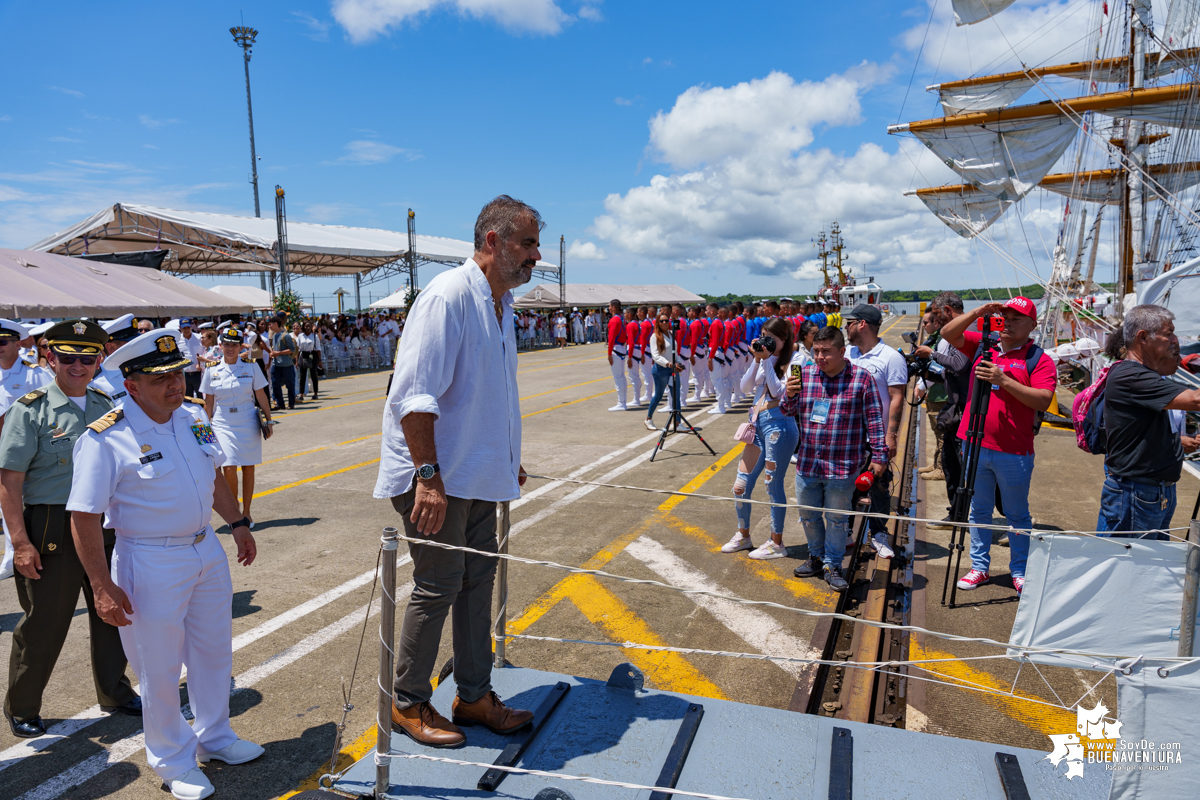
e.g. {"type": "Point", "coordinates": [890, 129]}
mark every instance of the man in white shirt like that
{"type": "Point", "coordinates": [194, 349]}
{"type": "Point", "coordinates": [388, 332]}
{"type": "Point", "coordinates": [890, 372]}
{"type": "Point", "coordinates": [454, 400]}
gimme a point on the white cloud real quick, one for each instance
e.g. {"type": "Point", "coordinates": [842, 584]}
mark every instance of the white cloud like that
{"type": "Point", "coordinates": [153, 124]}
{"type": "Point", "coordinates": [366, 19]}
{"type": "Point", "coordinates": [149, 147]}
{"type": "Point", "coordinates": [591, 13]}
{"type": "Point", "coordinates": [585, 251]}
{"type": "Point", "coordinates": [364, 151]}
{"type": "Point", "coordinates": [621, 101]}
{"type": "Point", "coordinates": [318, 29]}
{"type": "Point", "coordinates": [72, 92]}
{"type": "Point", "coordinates": [5, 118]}
{"type": "Point", "coordinates": [749, 191]}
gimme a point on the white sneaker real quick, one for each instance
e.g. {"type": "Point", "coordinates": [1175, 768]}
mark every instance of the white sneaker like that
{"type": "Point", "coordinates": [716, 410]}
{"type": "Point", "coordinates": [768, 549]}
{"type": "Point", "coordinates": [650, 424]}
{"type": "Point", "coordinates": [239, 752]}
{"type": "Point", "coordinates": [879, 542]}
{"type": "Point", "coordinates": [191, 785]}
{"type": "Point", "coordinates": [618, 408]}
{"type": "Point", "coordinates": [738, 542]}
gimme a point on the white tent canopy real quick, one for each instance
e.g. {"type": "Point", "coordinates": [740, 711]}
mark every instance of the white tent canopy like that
{"type": "Point", "coordinates": [259, 299]}
{"type": "Point", "coordinates": [598, 295]}
{"type": "Point", "coordinates": [38, 285]}
{"type": "Point", "coordinates": [394, 300]}
{"type": "Point", "coordinates": [204, 242]}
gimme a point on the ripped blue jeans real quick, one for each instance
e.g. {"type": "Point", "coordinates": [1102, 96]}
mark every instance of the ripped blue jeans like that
{"type": "Point", "coordinates": [776, 436]}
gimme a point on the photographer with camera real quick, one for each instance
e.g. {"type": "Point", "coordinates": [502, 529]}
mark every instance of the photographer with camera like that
{"type": "Point", "coordinates": [890, 372]}
{"type": "Point", "coordinates": [770, 438]}
{"type": "Point", "coordinates": [945, 307]}
{"type": "Point", "coordinates": [1022, 380]}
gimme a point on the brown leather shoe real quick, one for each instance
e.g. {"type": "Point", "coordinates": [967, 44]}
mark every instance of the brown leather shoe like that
{"type": "Point", "coordinates": [422, 723]}
{"type": "Point", "coordinates": [490, 712]}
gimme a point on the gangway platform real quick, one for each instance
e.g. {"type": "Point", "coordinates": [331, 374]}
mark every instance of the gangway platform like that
{"type": "Point", "coordinates": [619, 731]}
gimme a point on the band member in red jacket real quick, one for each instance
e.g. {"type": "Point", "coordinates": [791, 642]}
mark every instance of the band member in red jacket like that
{"type": "Point", "coordinates": [618, 353]}
{"type": "Point", "coordinates": [633, 335]}
{"type": "Point", "coordinates": [646, 316]}
{"type": "Point", "coordinates": [699, 327]}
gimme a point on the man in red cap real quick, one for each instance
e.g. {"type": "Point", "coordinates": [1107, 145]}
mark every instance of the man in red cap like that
{"type": "Point", "coordinates": [1022, 379]}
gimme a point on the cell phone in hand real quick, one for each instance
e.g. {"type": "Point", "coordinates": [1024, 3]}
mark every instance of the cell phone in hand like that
{"type": "Point", "coordinates": [796, 370]}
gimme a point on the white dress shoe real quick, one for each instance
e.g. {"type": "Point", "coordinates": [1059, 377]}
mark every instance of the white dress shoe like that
{"type": "Point", "coordinates": [239, 752]}
{"type": "Point", "coordinates": [618, 408]}
{"type": "Point", "coordinates": [191, 785]}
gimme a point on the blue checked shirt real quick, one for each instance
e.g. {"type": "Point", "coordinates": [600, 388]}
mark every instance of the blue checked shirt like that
{"type": "Point", "coordinates": [853, 432]}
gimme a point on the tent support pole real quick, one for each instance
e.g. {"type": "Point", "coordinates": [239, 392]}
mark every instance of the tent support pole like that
{"type": "Point", "coordinates": [1191, 586]}
{"type": "Point", "coordinates": [358, 292]}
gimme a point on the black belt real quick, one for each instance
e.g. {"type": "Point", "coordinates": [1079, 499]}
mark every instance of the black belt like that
{"type": "Point", "coordinates": [1159, 484]}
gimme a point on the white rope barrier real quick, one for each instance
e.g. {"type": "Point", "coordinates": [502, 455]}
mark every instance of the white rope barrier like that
{"type": "Point", "coordinates": [802, 611]}
{"type": "Point", "coordinates": [559, 776]}
{"type": "Point", "coordinates": [887, 517]}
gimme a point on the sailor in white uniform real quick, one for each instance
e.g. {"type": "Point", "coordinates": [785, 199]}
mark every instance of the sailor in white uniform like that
{"type": "Point", "coordinates": [108, 379]}
{"type": "Point", "coordinates": [152, 467]}
{"type": "Point", "coordinates": [17, 379]}
{"type": "Point", "coordinates": [230, 389]}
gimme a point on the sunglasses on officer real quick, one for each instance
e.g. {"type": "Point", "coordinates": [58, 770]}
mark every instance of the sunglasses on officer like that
{"type": "Point", "coordinates": [67, 360]}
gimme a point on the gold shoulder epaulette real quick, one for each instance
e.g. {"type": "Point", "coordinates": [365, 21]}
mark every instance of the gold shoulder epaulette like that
{"type": "Point", "coordinates": [107, 421]}
{"type": "Point", "coordinates": [29, 397]}
{"type": "Point", "coordinates": [101, 392]}
{"type": "Point", "coordinates": [196, 400]}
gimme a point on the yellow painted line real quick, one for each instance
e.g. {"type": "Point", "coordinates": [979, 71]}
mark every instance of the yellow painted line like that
{"type": "Point", "coordinates": [314, 478]}
{"type": "Point", "coordinates": [346, 756]}
{"type": "Point", "coordinates": [564, 405]}
{"type": "Point", "coordinates": [894, 324]}
{"type": "Point", "coordinates": [282, 414]}
{"type": "Point", "coordinates": [809, 591]}
{"type": "Point", "coordinates": [1033, 715]}
{"type": "Point", "coordinates": [563, 364]}
{"type": "Point", "coordinates": [538, 608]}
{"type": "Point", "coordinates": [563, 388]}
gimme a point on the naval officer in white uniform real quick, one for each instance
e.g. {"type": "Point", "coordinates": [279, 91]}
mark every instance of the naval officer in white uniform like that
{"type": "Point", "coordinates": [108, 378]}
{"type": "Point", "coordinates": [17, 379]}
{"type": "Point", "coordinates": [230, 388]}
{"type": "Point", "coordinates": [152, 467]}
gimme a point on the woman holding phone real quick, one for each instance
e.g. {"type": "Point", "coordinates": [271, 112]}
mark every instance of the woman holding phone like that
{"type": "Point", "coordinates": [231, 389]}
{"type": "Point", "coordinates": [775, 437]}
{"type": "Point", "coordinates": [662, 350]}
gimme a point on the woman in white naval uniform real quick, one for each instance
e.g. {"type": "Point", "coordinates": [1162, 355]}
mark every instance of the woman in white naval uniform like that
{"type": "Point", "coordinates": [230, 389]}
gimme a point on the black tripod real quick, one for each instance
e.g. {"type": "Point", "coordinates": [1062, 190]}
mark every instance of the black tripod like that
{"type": "Point", "coordinates": [977, 416]}
{"type": "Point", "coordinates": [675, 417]}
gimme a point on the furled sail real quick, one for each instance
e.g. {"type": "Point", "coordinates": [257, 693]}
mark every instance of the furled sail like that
{"type": "Point", "coordinates": [1182, 17]}
{"type": "Point", "coordinates": [1106, 185]}
{"type": "Point", "coordinates": [1005, 159]}
{"type": "Point", "coordinates": [996, 91]}
{"type": "Point", "coordinates": [966, 210]}
{"type": "Point", "coordinates": [968, 12]}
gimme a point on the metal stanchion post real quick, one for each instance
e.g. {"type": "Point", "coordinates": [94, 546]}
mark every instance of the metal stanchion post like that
{"type": "Point", "coordinates": [1191, 586]}
{"type": "Point", "coordinates": [501, 628]}
{"type": "Point", "coordinates": [387, 636]}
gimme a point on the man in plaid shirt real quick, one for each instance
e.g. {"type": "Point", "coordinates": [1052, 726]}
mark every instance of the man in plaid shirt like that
{"type": "Point", "coordinates": [841, 429]}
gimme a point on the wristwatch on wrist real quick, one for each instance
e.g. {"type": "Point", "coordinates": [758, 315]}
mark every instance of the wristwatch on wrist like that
{"type": "Point", "coordinates": [426, 472]}
{"type": "Point", "coordinates": [237, 523]}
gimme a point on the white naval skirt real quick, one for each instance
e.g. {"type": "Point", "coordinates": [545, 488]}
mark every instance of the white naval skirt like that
{"type": "Point", "coordinates": [238, 433]}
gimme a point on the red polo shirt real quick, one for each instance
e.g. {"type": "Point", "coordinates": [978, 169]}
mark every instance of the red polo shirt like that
{"type": "Point", "coordinates": [1009, 425]}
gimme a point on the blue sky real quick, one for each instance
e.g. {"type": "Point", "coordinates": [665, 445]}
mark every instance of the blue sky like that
{"type": "Point", "coordinates": [698, 143]}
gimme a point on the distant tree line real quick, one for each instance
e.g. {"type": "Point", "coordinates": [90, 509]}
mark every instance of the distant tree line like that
{"type": "Point", "coordinates": [1033, 292]}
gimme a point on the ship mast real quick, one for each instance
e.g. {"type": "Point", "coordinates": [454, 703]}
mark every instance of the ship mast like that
{"type": "Point", "coordinates": [823, 253]}
{"type": "Point", "coordinates": [837, 245]}
{"type": "Point", "coordinates": [1133, 210]}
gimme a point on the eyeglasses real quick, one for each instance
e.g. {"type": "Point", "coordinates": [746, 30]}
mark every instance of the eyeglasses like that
{"type": "Point", "coordinates": [67, 361]}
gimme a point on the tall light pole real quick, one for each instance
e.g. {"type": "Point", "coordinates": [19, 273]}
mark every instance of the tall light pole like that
{"type": "Point", "coordinates": [244, 37]}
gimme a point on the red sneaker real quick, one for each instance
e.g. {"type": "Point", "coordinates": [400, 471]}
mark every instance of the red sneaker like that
{"type": "Point", "coordinates": [973, 580]}
{"type": "Point", "coordinates": [1019, 583]}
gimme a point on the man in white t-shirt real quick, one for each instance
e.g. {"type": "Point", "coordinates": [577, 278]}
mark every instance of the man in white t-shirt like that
{"type": "Point", "coordinates": [890, 372]}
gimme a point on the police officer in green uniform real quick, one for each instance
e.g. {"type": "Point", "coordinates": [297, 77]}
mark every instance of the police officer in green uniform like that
{"type": "Point", "coordinates": [35, 481]}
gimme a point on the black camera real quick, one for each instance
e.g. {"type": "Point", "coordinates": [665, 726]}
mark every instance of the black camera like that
{"type": "Point", "coordinates": [763, 343]}
{"type": "Point", "coordinates": [910, 337]}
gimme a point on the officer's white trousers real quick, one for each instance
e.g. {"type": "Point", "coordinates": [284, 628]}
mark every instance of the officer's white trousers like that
{"type": "Point", "coordinates": [181, 597]}
{"type": "Point", "coordinates": [647, 379]}
{"type": "Point", "coordinates": [618, 371]}
{"type": "Point", "coordinates": [685, 360]}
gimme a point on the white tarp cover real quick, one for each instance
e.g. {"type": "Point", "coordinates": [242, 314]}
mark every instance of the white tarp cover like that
{"type": "Point", "coordinates": [968, 12]}
{"type": "Point", "coordinates": [1164, 712]}
{"type": "Point", "coordinates": [37, 285]}
{"type": "Point", "coordinates": [968, 211]}
{"type": "Point", "coordinates": [1114, 596]}
{"type": "Point", "coordinates": [222, 243]}
{"type": "Point", "coordinates": [1006, 159]}
{"type": "Point", "coordinates": [1181, 19]}
{"type": "Point", "coordinates": [597, 295]}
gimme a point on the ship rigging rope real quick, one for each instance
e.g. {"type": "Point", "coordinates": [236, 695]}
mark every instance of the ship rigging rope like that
{"type": "Point", "coordinates": [1175, 661]}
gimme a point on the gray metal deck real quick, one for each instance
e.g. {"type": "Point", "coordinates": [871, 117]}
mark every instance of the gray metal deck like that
{"type": "Point", "coordinates": [740, 751]}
